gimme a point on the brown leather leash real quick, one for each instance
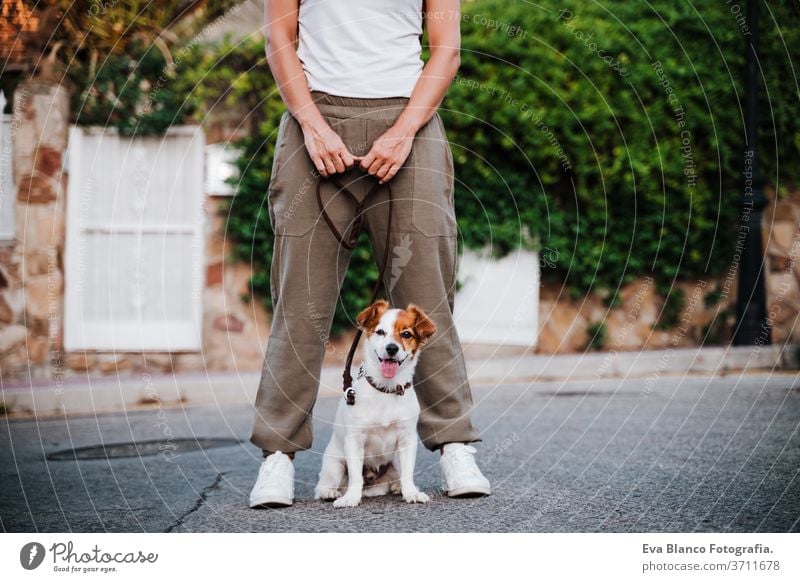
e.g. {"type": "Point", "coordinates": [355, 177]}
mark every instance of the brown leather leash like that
{"type": "Point", "coordinates": [349, 244]}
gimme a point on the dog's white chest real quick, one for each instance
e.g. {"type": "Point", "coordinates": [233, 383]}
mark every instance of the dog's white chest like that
{"type": "Point", "coordinates": [381, 419]}
{"type": "Point", "coordinates": [380, 444]}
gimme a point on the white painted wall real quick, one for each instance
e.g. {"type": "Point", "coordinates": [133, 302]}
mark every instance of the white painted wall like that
{"type": "Point", "coordinates": [220, 164]}
{"type": "Point", "coordinates": [498, 302]}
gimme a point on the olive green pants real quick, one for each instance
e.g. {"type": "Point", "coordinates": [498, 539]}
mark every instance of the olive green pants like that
{"type": "Point", "coordinates": [308, 268]}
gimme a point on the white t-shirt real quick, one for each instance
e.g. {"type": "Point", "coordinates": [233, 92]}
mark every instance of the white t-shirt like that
{"type": "Point", "coordinates": [361, 48]}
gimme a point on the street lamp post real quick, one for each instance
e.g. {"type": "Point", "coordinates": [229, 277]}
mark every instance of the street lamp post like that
{"type": "Point", "coordinates": [752, 327]}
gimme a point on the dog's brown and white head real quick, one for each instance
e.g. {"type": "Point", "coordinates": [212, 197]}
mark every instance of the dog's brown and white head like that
{"type": "Point", "coordinates": [394, 338]}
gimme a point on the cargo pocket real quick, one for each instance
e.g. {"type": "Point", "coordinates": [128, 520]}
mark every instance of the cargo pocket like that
{"type": "Point", "coordinates": [433, 209]}
{"type": "Point", "coordinates": [448, 263]}
{"type": "Point", "coordinates": [275, 272]}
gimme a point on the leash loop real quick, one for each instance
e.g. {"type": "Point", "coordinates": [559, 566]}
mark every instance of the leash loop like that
{"type": "Point", "coordinates": [349, 244]}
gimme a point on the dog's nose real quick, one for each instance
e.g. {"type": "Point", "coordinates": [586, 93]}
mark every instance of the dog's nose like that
{"type": "Point", "coordinates": [392, 349]}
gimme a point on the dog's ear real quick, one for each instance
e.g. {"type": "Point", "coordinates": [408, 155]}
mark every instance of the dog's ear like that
{"type": "Point", "coordinates": [368, 319]}
{"type": "Point", "coordinates": [423, 325]}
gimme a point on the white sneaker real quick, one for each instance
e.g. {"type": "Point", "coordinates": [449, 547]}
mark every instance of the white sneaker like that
{"type": "Point", "coordinates": [460, 474]}
{"type": "Point", "coordinates": [275, 484]}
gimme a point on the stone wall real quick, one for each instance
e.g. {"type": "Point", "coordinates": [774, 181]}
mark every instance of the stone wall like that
{"type": "Point", "coordinates": [708, 314]}
{"type": "Point", "coordinates": [31, 276]}
{"type": "Point", "coordinates": [783, 272]}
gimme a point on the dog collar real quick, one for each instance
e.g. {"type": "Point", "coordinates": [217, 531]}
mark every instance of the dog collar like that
{"type": "Point", "coordinates": [399, 389]}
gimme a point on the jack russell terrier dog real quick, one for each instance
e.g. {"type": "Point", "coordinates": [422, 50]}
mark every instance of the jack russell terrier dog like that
{"type": "Point", "coordinates": [374, 444]}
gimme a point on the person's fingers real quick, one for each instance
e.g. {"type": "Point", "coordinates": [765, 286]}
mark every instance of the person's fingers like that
{"type": "Point", "coordinates": [348, 159]}
{"type": "Point", "coordinates": [330, 166]}
{"type": "Point", "coordinates": [375, 166]}
{"type": "Point", "coordinates": [320, 166]}
{"type": "Point", "coordinates": [338, 163]}
{"type": "Point", "coordinates": [391, 173]}
{"type": "Point", "coordinates": [383, 170]}
{"type": "Point", "coordinates": [366, 161]}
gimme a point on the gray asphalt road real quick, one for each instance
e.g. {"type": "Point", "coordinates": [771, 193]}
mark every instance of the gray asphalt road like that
{"type": "Point", "coordinates": [685, 454]}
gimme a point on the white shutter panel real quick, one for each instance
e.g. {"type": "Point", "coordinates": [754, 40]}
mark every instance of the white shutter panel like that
{"type": "Point", "coordinates": [134, 250]}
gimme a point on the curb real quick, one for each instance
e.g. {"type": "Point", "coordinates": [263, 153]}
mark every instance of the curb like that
{"type": "Point", "coordinates": [131, 393]}
{"type": "Point", "coordinates": [714, 361]}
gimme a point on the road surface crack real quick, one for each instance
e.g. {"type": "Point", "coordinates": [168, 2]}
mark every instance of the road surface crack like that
{"type": "Point", "coordinates": [201, 500]}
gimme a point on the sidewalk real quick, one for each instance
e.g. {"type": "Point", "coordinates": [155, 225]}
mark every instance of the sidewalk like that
{"type": "Point", "coordinates": [486, 365]}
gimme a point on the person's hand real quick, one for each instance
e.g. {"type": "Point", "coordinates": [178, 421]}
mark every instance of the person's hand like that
{"type": "Point", "coordinates": [387, 154]}
{"type": "Point", "coordinates": [327, 150]}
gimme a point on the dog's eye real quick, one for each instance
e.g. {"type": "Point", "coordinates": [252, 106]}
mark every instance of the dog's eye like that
{"type": "Point", "coordinates": [406, 335]}
{"type": "Point", "coordinates": [380, 332]}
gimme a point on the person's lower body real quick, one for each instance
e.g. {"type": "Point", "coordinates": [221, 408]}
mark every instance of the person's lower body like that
{"type": "Point", "coordinates": [309, 266]}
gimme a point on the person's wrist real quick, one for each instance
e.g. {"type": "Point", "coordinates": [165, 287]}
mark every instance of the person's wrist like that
{"type": "Point", "coordinates": [311, 120]}
{"type": "Point", "coordinates": [406, 126]}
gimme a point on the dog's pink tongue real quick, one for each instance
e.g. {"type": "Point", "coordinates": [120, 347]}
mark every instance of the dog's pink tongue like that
{"type": "Point", "coordinates": [389, 368]}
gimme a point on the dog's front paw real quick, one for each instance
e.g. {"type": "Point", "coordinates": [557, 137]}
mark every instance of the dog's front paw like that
{"type": "Point", "coordinates": [327, 494]}
{"type": "Point", "coordinates": [416, 497]}
{"type": "Point", "coordinates": [347, 501]}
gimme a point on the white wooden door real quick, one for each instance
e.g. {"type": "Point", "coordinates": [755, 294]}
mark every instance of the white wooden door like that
{"type": "Point", "coordinates": [134, 249]}
{"type": "Point", "coordinates": [8, 194]}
